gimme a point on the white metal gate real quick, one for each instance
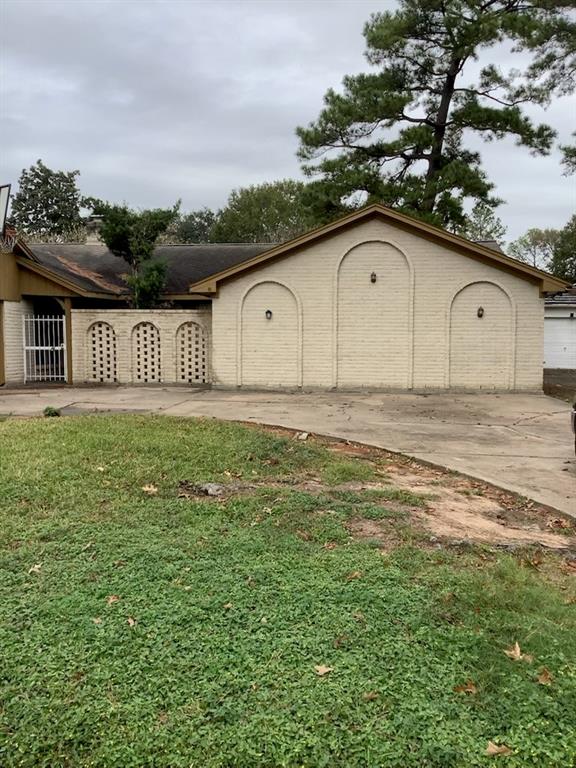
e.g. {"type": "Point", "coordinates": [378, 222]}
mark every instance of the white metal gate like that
{"type": "Point", "coordinates": [44, 348]}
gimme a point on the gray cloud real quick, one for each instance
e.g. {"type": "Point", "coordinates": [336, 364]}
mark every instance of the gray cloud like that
{"type": "Point", "coordinates": [163, 99]}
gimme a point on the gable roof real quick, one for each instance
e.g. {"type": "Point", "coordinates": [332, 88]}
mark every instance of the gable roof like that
{"type": "Point", "coordinates": [94, 269]}
{"type": "Point", "coordinates": [477, 251]}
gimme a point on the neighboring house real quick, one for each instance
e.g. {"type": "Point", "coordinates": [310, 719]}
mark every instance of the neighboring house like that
{"type": "Point", "coordinates": [560, 330]}
{"type": "Point", "coordinates": [376, 299]}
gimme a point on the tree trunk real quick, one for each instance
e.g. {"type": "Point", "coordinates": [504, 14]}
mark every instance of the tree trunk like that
{"type": "Point", "coordinates": [435, 157]}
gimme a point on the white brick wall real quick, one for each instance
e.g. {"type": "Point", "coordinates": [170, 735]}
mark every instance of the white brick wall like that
{"type": "Point", "coordinates": [14, 311]}
{"type": "Point", "coordinates": [398, 332]}
{"type": "Point", "coordinates": [123, 322]}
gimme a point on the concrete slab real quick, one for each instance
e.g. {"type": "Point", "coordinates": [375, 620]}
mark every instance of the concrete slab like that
{"type": "Point", "coordinates": [519, 442]}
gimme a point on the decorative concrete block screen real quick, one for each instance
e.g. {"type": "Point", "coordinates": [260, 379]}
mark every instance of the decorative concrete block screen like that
{"type": "Point", "coordinates": [192, 354]}
{"type": "Point", "coordinates": [102, 353]}
{"type": "Point", "coordinates": [146, 365]}
{"type": "Point", "coordinates": [129, 346]}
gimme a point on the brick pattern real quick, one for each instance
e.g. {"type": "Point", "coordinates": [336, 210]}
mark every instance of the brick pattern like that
{"type": "Point", "coordinates": [373, 341]}
{"type": "Point", "coordinates": [147, 343]}
{"type": "Point", "coordinates": [14, 312]}
{"type": "Point", "coordinates": [386, 333]}
{"type": "Point", "coordinates": [482, 312]}
{"type": "Point", "coordinates": [269, 343]}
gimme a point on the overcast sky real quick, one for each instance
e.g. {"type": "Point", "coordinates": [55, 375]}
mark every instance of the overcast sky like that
{"type": "Point", "coordinates": [163, 99]}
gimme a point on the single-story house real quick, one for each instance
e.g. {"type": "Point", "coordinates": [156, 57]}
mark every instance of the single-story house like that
{"type": "Point", "coordinates": [376, 299]}
{"type": "Point", "coordinates": [560, 330]}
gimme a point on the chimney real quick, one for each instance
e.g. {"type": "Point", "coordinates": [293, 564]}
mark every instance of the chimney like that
{"type": "Point", "coordinates": [93, 230]}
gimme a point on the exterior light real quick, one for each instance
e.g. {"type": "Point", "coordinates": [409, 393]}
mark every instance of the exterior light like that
{"type": "Point", "coordinates": [480, 312]}
{"type": "Point", "coordinates": [373, 277]}
{"type": "Point", "coordinates": [268, 314]}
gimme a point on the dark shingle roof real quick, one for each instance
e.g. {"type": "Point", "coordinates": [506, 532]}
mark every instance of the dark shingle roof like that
{"type": "Point", "coordinates": [94, 268]}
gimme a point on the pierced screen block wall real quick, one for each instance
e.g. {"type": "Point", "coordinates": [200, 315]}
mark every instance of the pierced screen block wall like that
{"type": "Point", "coordinates": [146, 354]}
{"type": "Point", "coordinates": [150, 346]}
{"type": "Point", "coordinates": [191, 354]}
{"type": "Point", "coordinates": [102, 366]}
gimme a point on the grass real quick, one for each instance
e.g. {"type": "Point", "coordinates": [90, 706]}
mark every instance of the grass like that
{"type": "Point", "coordinates": [143, 629]}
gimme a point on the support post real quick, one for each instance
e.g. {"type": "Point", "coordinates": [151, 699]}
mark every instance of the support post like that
{"type": "Point", "coordinates": [68, 322]}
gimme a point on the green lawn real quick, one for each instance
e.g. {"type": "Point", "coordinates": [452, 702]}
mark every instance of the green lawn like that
{"type": "Point", "coordinates": [148, 629]}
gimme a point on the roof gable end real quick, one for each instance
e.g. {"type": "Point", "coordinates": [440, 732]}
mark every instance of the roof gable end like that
{"type": "Point", "coordinates": [474, 250]}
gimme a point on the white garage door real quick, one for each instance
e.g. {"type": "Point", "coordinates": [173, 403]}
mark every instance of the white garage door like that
{"type": "Point", "coordinates": [560, 342]}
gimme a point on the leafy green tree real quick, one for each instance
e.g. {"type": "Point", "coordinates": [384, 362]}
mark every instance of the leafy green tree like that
{"type": "Point", "coordinates": [398, 135]}
{"type": "Point", "coordinates": [264, 213]}
{"type": "Point", "coordinates": [536, 247]}
{"type": "Point", "coordinates": [132, 235]}
{"type": "Point", "coordinates": [47, 203]}
{"type": "Point", "coordinates": [563, 261]}
{"type": "Point", "coordinates": [482, 224]}
{"type": "Point", "coordinates": [195, 227]}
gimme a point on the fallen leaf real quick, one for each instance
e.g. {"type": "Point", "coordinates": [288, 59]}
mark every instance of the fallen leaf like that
{"type": "Point", "coordinates": [557, 522]}
{"type": "Point", "coordinates": [497, 749]}
{"type": "Point", "coordinates": [354, 575]}
{"type": "Point", "coordinates": [533, 562]}
{"type": "Point", "coordinates": [35, 568]}
{"type": "Point", "coordinates": [131, 621]}
{"type": "Point", "coordinates": [322, 670]}
{"type": "Point", "coordinates": [467, 687]}
{"type": "Point", "coordinates": [112, 599]}
{"type": "Point", "coordinates": [370, 695]}
{"type": "Point", "coordinates": [150, 489]}
{"type": "Point", "coordinates": [330, 545]}
{"type": "Point", "coordinates": [97, 620]}
{"type": "Point", "coordinates": [100, 469]}
{"type": "Point", "coordinates": [516, 654]}
{"type": "Point", "coordinates": [545, 677]}
{"type": "Point", "coordinates": [228, 605]}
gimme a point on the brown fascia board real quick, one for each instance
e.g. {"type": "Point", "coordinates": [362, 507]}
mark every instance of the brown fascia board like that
{"type": "Point", "coordinates": [547, 282]}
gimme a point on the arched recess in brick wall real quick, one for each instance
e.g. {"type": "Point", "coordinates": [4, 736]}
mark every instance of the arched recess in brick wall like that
{"type": "Point", "coordinates": [146, 354]}
{"type": "Point", "coordinates": [482, 338]}
{"type": "Point", "coordinates": [191, 354]}
{"type": "Point", "coordinates": [102, 355]}
{"type": "Point", "coordinates": [373, 317]}
{"type": "Point", "coordinates": [270, 337]}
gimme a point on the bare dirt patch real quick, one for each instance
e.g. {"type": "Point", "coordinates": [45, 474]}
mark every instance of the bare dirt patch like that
{"type": "Point", "coordinates": [457, 507]}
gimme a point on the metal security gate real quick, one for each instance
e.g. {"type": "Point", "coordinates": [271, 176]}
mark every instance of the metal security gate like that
{"type": "Point", "coordinates": [44, 348]}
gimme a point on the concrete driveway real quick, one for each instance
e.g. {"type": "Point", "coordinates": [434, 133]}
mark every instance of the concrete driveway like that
{"type": "Point", "coordinates": [519, 442]}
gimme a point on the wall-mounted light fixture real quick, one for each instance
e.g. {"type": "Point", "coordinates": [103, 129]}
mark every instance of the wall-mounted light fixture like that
{"type": "Point", "coordinates": [373, 277]}
{"type": "Point", "coordinates": [480, 312]}
{"type": "Point", "coordinates": [268, 314]}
